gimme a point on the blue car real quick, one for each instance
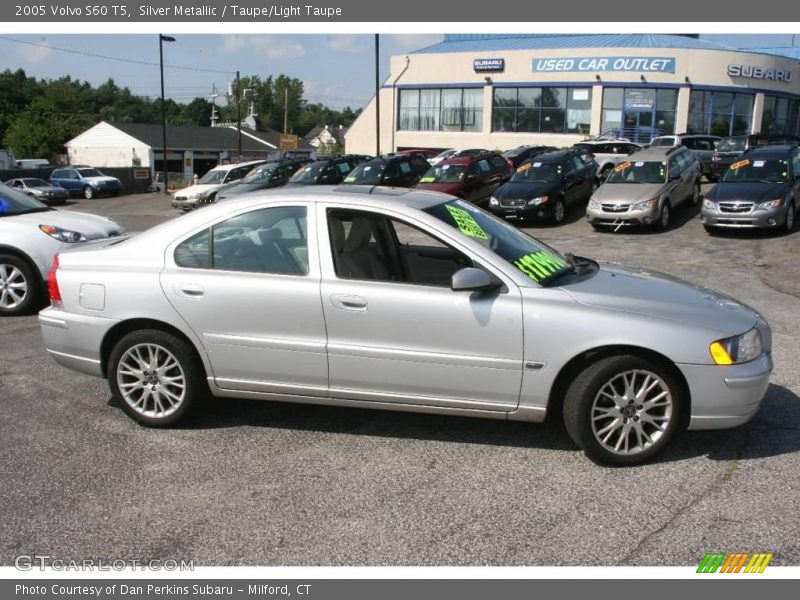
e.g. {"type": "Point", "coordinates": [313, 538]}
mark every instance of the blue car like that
{"type": "Point", "coordinates": [86, 181]}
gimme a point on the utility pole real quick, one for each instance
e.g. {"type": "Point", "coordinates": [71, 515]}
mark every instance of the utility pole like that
{"type": "Point", "coordinates": [377, 97]}
{"type": "Point", "coordinates": [238, 120]}
{"type": "Point", "coordinates": [285, 113]}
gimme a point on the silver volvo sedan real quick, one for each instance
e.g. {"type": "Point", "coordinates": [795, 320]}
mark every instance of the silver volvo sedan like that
{"type": "Point", "coordinates": [402, 300]}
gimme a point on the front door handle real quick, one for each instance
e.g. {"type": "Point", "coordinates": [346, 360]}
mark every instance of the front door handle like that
{"type": "Point", "coordinates": [349, 302]}
{"type": "Point", "coordinates": [192, 290]}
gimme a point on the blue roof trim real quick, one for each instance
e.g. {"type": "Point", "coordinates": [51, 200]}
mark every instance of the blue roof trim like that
{"type": "Point", "coordinates": [785, 51]}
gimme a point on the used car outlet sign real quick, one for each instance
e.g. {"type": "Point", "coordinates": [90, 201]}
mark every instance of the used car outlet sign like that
{"type": "Point", "coordinates": [640, 64]}
{"type": "Point", "coordinates": [754, 72]}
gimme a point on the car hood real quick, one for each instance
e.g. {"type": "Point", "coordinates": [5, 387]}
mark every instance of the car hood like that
{"type": "Point", "coordinates": [93, 227]}
{"type": "Point", "coordinates": [50, 189]}
{"type": "Point", "coordinates": [524, 190]}
{"type": "Point", "coordinates": [624, 193]}
{"type": "Point", "coordinates": [660, 296]}
{"type": "Point", "coordinates": [102, 179]}
{"type": "Point", "coordinates": [445, 188]}
{"type": "Point", "coordinates": [752, 192]}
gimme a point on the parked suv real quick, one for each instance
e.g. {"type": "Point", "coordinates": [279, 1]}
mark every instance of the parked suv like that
{"type": "Point", "coordinates": [607, 153]}
{"type": "Point", "coordinates": [520, 154]}
{"type": "Point", "coordinates": [645, 188]}
{"type": "Point", "coordinates": [327, 171]}
{"type": "Point", "coordinates": [87, 181]}
{"type": "Point", "coordinates": [269, 175]}
{"type": "Point", "coordinates": [729, 149]}
{"type": "Point", "coordinates": [702, 146]}
{"type": "Point", "coordinates": [397, 170]}
{"type": "Point", "coordinates": [761, 189]}
{"type": "Point", "coordinates": [217, 179]}
{"type": "Point", "coordinates": [473, 178]}
{"type": "Point", "coordinates": [546, 185]}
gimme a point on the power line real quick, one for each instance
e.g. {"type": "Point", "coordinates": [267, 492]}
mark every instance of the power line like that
{"type": "Point", "coordinates": [117, 58]}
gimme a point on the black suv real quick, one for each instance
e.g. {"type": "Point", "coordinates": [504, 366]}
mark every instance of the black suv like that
{"type": "Point", "coordinates": [269, 175]}
{"type": "Point", "coordinates": [546, 185]}
{"type": "Point", "coordinates": [327, 171]}
{"type": "Point", "coordinates": [731, 148]}
{"type": "Point", "coordinates": [395, 170]}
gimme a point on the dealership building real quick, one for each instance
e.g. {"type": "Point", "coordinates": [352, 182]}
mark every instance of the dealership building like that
{"type": "Point", "coordinates": [499, 91]}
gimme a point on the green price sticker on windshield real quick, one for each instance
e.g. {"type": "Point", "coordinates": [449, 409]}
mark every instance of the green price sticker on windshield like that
{"type": "Point", "coordinates": [349, 179]}
{"type": "Point", "coordinates": [539, 265]}
{"type": "Point", "coordinates": [466, 223]}
{"type": "Point", "coordinates": [427, 180]}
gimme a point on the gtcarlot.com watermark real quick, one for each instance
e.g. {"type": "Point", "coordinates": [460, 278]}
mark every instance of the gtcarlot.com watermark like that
{"type": "Point", "coordinates": [42, 562]}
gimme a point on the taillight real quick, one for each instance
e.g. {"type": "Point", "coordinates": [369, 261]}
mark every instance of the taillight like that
{"type": "Point", "coordinates": [52, 285]}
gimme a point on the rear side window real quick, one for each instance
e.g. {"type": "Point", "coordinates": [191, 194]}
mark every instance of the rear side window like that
{"type": "Point", "coordinates": [499, 162]}
{"type": "Point", "coordinates": [484, 165]}
{"type": "Point", "coordinates": [57, 174]}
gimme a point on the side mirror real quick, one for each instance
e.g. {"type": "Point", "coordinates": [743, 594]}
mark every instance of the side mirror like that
{"type": "Point", "coordinates": [470, 279]}
{"type": "Point", "coordinates": [674, 176]}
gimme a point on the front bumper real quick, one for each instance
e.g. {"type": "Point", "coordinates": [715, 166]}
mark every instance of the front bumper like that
{"type": "Point", "coordinates": [525, 211]}
{"type": "Point", "coordinates": [630, 217]}
{"type": "Point", "coordinates": [726, 396]}
{"type": "Point", "coordinates": [761, 219]}
{"type": "Point", "coordinates": [74, 340]}
{"type": "Point", "coordinates": [184, 203]}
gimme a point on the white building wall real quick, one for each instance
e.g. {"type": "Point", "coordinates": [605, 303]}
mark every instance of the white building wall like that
{"type": "Point", "coordinates": [106, 146]}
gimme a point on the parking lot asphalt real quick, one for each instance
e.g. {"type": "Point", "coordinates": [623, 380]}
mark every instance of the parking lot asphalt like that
{"type": "Point", "coordinates": [266, 483]}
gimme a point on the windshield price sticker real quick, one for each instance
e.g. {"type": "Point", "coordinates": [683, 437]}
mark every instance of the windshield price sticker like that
{"type": "Point", "coordinates": [539, 265]}
{"type": "Point", "coordinates": [466, 223]}
{"type": "Point", "coordinates": [622, 166]}
{"type": "Point", "coordinates": [445, 167]}
{"type": "Point", "coordinates": [639, 164]}
{"type": "Point", "coordinates": [537, 164]}
{"type": "Point", "coordinates": [740, 164]}
{"type": "Point", "coordinates": [350, 178]}
{"type": "Point", "coordinates": [758, 163]}
{"type": "Point", "coordinates": [427, 180]}
{"type": "Point", "coordinates": [524, 167]}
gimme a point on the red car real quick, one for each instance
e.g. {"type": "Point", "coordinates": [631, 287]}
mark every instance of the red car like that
{"type": "Point", "coordinates": [426, 152]}
{"type": "Point", "coordinates": [472, 177]}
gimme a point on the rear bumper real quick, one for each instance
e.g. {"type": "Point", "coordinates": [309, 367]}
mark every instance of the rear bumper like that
{"type": "Point", "coordinates": [726, 396]}
{"type": "Point", "coordinates": [74, 340]}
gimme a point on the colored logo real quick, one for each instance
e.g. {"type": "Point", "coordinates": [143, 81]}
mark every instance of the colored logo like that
{"type": "Point", "coordinates": [736, 562]}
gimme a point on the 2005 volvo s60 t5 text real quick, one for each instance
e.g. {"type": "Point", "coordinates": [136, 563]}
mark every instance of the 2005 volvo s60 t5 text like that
{"type": "Point", "coordinates": [402, 300]}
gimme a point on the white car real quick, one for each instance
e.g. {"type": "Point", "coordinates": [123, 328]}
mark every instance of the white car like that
{"type": "Point", "coordinates": [217, 179]}
{"type": "Point", "coordinates": [443, 155]}
{"type": "Point", "coordinates": [608, 153]}
{"type": "Point", "coordinates": [31, 233]}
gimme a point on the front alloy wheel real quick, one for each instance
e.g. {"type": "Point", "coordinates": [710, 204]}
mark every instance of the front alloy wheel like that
{"type": "Point", "coordinates": [695, 194]}
{"type": "Point", "coordinates": [662, 223]}
{"type": "Point", "coordinates": [559, 211]}
{"type": "Point", "coordinates": [88, 192]}
{"type": "Point", "coordinates": [788, 226]}
{"type": "Point", "coordinates": [622, 410]}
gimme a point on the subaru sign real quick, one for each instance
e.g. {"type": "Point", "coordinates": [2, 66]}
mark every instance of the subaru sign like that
{"type": "Point", "coordinates": [592, 64]}
{"type": "Point", "coordinates": [489, 65]}
{"type": "Point", "coordinates": [755, 72]}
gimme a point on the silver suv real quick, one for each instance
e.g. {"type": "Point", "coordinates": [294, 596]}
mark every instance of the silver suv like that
{"type": "Point", "coordinates": [702, 146]}
{"type": "Point", "coordinates": [645, 188]}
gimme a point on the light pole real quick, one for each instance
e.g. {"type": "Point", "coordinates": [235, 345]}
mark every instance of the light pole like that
{"type": "Point", "coordinates": [161, 40]}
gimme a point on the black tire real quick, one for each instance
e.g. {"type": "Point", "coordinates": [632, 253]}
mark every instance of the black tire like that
{"type": "Point", "coordinates": [664, 217]}
{"type": "Point", "coordinates": [694, 199]}
{"type": "Point", "coordinates": [791, 218]}
{"type": "Point", "coordinates": [583, 399]}
{"type": "Point", "coordinates": [88, 192]}
{"type": "Point", "coordinates": [606, 171]}
{"type": "Point", "coordinates": [710, 229]}
{"type": "Point", "coordinates": [559, 211]}
{"type": "Point", "coordinates": [195, 387]}
{"type": "Point", "coordinates": [597, 227]}
{"type": "Point", "coordinates": [20, 286]}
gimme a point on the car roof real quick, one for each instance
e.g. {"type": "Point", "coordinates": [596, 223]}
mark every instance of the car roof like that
{"type": "Point", "coordinates": [467, 159]}
{"type": "Point", "coordinates": [557, 154]}
{"type": "Point", "coordinates": [776, 150]}
{"type": "Point", "coordinates": [230, 166]}
{"type": "Point", "coordinates": [657, 153]}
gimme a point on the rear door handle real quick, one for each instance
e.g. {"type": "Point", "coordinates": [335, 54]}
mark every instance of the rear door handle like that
{"type": "Point", "coordinates": [349, 302]}
{"type": "Point", "coordinates": [192, 290]}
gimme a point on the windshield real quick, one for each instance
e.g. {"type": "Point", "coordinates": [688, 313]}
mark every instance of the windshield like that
{"type": "Point", "coordinates": [369, 173]}
{"type": "Point", "coordinates": [663, 141]}
{"type": "Point", "coordinates": [309, 174]}
{"type": "Point", "coordinates": [538, 171]}
{"type": "Point", "coordinates": [13, 202]}
{"type": "Point", "coordinates": [445, 174]}
{"type": "Point", "coordinates": [212, 177]}
{"type": "Point", "coordinates": [748, 171]}
{"type": "Point", "coordinates": [732, 144]}
{"type": "Point", "coordinates": [260, 175]}
{"type": "Point", "coordinates": [533, 258]}
{"type": "Point", "coordinates": [90, 173]}
{"type": "Point", "coordinates": [649, 171]}
{"type": "Point", "coordinates": [515, 151]}
{"type": "Point", "coordinates": [36, 183]}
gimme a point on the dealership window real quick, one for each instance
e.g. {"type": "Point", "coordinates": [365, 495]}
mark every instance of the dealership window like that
{"type": "Point", "coordinates": [451, 109]}
{"type": "Point", "coordinates": [542, 110]}
{"type": "Point", "coordinates": [639, 112]}
{"type": "Point", "coordinates": [719, 113]}
{"type": "Point", "coordinates": [780, 115]}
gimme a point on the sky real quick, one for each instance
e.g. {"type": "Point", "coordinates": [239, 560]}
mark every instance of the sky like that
{"type": "Point", "coordinates": [337, 70]}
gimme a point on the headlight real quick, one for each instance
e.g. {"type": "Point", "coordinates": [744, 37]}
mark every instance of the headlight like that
{"type": "Point", "coordinates": [709, 204]}
{"type": "Point", "coordinates": [737, 349]}
{"type": "Point", "coordinates": [494, 201]}
{"type": "Point", "coordinates": [769, 204]}
{"type": "Point", "coordinates": [645, 204]}
{"type": "Point", "coordinates": [63, 235]}
{"type": "Point", "coordinates": [537, 201]}
{"type": "Point", "coordinates": [594, 203]}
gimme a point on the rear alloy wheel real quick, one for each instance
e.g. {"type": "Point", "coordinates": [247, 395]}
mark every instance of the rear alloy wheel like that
{"type": "Point", "coordinates": [559, 211]}
{"type": "Point", "coordinates": [622, 410]}
{"type": "Point", "coordinates": [19, 286]}
{"type": "Point", "coordinates": [788, 225]}
{"type": "Point", "coordinates": [695, 194]}
{"type": "Point", "coordinates": [155, 376]}
{"type": "Point", "coordinates": [88, 192]}
{"type": "Point", "coordinates": [662, 223]}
